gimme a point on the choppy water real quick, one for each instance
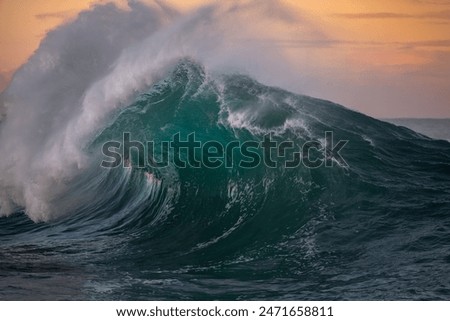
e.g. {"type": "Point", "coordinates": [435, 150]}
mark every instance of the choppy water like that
{"type": "Point", "coordinates": [434, 128]}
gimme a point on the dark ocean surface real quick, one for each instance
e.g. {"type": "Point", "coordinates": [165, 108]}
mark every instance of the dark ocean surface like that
{"type": "Point", "coordinates": [376, 229]}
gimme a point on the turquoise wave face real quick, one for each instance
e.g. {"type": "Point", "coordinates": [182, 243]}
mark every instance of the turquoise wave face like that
{"type": "Point", "coordinates": [139, 231]}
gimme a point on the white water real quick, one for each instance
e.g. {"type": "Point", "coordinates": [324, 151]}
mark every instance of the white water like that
{"type": "Point", "coordinates": [84, 70]}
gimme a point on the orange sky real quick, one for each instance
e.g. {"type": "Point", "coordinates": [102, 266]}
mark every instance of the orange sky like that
{"type": "Point", "coordinates": [393, 49]}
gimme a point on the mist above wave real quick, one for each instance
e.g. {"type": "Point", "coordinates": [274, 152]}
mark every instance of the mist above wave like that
{"type": "Point", "coordinates": [86, 69]}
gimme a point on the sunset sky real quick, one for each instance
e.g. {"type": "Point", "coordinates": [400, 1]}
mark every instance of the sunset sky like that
{"type": "Point", "coordinates": [383, 58]}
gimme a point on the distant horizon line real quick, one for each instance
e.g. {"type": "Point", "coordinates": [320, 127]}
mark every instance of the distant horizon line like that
{"type": "Point", "coordinates": [415, 118]}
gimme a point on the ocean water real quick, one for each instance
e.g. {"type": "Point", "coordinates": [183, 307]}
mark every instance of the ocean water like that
{"type": "Point", "coordinates": [376, 229]}
{"type": "Point", "coordinates": [434, 128]}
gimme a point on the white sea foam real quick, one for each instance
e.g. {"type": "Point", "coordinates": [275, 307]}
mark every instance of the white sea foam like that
{"type": "Point", "coordinates": [84, 70]}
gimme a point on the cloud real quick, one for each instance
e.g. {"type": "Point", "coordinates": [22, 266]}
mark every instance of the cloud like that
{"type": "Point", "coordinates": [433, 2]}
{"type": "Point", "coordinates": [329, 43]}
{"type": "Point", "coordinates": [438, 15]}
{"type": "Point", "coordinates": [55, 15]}
{"type": "Point", "coordinates": [5, 78]}
{"type": "Point", "coordinates": [2, 81]}
{"type": "Point", "coordinates": [442, 43]}
{"type": "Point", "coordinates": [274, 9]}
